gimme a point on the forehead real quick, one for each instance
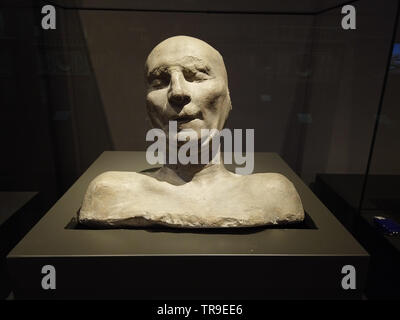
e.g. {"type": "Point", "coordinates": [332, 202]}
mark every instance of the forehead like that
{"type": "Point", "coordinates": [183, 53]}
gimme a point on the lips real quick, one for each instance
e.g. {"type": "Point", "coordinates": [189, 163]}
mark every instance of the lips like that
{"type": "Point", "coordinates": [185, 118]}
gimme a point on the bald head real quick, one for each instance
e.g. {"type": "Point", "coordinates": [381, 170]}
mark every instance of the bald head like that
{"type": "Point", "coordinates": [185, 50]}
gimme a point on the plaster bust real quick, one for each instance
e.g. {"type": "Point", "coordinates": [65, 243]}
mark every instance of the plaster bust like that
{"type": "Point", "coordinates": [187, 83]}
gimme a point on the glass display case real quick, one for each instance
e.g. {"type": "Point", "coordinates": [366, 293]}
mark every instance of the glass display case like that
{"type": "Point", "coordinates": [316, 80]}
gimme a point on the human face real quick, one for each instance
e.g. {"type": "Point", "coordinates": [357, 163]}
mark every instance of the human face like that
{"type": "Point", "coordinates": [187, 83]}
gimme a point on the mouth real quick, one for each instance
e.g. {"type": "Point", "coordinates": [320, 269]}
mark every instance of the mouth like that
{"type": "Point", "coordinates": [185, 118]}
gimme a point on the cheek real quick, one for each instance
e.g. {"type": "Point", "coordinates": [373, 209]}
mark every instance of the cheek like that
{"type": "Point", "coordinates": [156, 110]}
{"type": "Point", "coordinates": [156, 99]}
{"type": "Point", "coordinates": [209, 95]}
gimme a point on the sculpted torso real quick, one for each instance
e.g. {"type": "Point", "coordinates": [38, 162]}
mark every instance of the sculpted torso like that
{"type": "Point", "coordinates": [187, 83]}
{"type": "Point", "coordinates": [217, 198]}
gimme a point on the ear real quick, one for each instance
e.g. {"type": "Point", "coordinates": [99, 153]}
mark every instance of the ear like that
{"type": "Point", "coordinates": [229, 99]}
{"type": "Point", "coordinates": [228, 107]}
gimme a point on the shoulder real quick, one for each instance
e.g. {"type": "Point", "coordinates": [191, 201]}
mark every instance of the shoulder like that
{"type": "Point", "coordinates": [119, 183]}
{"type": "Point", "coordinates": [110, 176]}
{"type": "Point", "coordinates": [115, 179]}
{"type": "Point", "coordinates": [107, 192]}
{"type": "Point", "coordinates": [271, 182]}
{"type": "Point", "coordinates": [276, 193]}
{"type": "Point", "coordinates": [111, 185]}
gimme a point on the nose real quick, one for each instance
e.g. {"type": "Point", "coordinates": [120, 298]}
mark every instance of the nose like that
{"type": "Point", "coordinates": [178, 95]}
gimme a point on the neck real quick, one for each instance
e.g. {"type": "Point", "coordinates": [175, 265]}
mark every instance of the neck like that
{"type": "Point", "coordinates": [182, 173]}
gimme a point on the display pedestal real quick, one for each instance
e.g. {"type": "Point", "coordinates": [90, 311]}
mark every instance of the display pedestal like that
{"type": "Point", "coordinates": [297, 261]}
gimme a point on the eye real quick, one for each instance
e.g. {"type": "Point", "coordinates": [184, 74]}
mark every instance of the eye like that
{"type": "Point", "coordinates": [159, 81]}
{"type": "Point", "coordinates": [198, 75]}
{"type": "Point", "coordinates": [203, 70]}
{"type": "Point", "coordinates": [156, 83]}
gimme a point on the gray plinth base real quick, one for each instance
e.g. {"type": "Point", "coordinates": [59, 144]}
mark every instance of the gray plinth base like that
{"type": "Point", "coordinates": [298, 261]}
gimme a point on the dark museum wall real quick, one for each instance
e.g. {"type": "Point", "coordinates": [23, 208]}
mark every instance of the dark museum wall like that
{"type": "Point", "coordinates": [345, 85]}
{"type": "Point", "coordinates": [382, 184]}
{"type": "Point", "coordinates": [27, 157]}
{"type": "Point", "coordinates": [386, 155]}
